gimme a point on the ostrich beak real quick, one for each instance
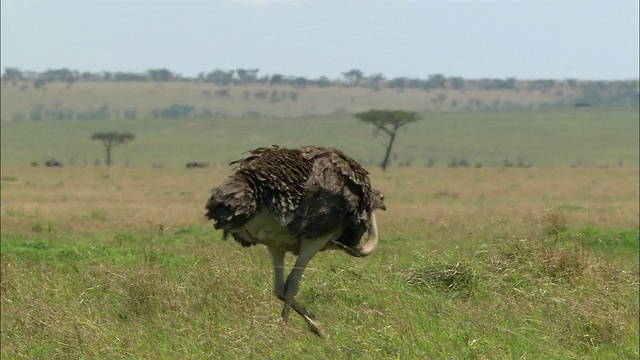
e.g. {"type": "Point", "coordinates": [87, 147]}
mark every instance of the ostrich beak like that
{"type": "Point", "coordinates": [382, 207]}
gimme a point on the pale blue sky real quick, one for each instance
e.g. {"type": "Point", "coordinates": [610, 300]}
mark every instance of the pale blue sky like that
{"type": "Point", "coordinates": [526, 39]}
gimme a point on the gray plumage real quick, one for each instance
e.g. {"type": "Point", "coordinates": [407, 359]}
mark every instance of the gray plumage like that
{"type": "Point", "coordinates": [301, 200]}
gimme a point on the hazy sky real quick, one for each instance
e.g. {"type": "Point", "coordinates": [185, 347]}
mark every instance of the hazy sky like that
{"type": "Point", "coordinates": [526, 39]}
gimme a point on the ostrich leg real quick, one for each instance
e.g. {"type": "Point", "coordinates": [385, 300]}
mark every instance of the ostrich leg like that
{"type": "Point", "coordinates": [308, 248]}
{"type": "Point", "coordinates": [277, 258]}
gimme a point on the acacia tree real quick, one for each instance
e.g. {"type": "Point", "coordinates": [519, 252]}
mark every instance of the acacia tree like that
{"type": "Point", "coordinates": [387, 121]}
{"type": "Point", "coordinates": [353, 77]}
{"type": "Point", "coordinates": [111, 139]}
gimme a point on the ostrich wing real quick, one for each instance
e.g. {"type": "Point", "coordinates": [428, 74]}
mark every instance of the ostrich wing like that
{"type": "Point", "coordinates": [271, 179]}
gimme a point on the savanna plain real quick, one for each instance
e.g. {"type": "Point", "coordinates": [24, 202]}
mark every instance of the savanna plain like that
{"type": "Point", "coordinates": [490, 262]}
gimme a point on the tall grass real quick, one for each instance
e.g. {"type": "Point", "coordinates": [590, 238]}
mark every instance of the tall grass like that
{"type": "Point", "coordinates": [473, 263]}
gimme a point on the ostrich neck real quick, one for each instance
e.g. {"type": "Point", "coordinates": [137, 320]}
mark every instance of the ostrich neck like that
{"type": "Point", "coordinates": [369, 245]}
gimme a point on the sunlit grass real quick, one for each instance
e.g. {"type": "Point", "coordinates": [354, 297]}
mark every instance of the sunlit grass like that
{"type": "Point", "coordinates": [473, 263]}
{"type": "Point", "coordinates": [593, 138]}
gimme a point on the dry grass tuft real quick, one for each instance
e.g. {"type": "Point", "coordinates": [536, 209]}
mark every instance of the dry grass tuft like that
{"type": "Point", "coordinates": [437, 275]}
{"type": "Point", "coordinates": [539, 258]}
{"type": "Point", "coordinates": [556, 222]}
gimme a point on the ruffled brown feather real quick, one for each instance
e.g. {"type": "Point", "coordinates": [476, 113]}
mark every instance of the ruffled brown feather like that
{"type": "Point", "coordinates": [311, 190]}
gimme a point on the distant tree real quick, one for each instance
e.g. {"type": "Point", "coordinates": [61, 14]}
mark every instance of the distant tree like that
{"type": "Point", "coordinates": [247, 76]}
{"type": "Point", "coordinates": [219, 77]}
{"type": "Point", "coordinates": [353, 77]}
{"type": "Point", "coordinates": [322, 82]}
{"type": "Point", "coordinates": [64, 75]}
{"type": "Point", "coordinates": [39, 83]}
{"type": "Point", "coordinates": [542, 85]}
{"type": "Point", "coordinates": [12, 74]}
{"type": "Point", "coordinates": [510, 83]}
{"type": "Point", "coordinates": [415, 83]}
{"type": "Point", "coordinates": [160, 75]}
{"type": "Point", "coordinates": [174, 111]}
{"type": "Point", "coordinates": [276, 79]}
{"type": "Point", "coordinates": [437, 81]}
{"type": "Point", "coordinates": [375, 80]}
{"type": "Point", "coordinates": [111, 139]}
{"type": "Point", "coordinates": [456, 83]}
{"type": "Point", "coordinates": [398, 83]}
{"type": "Point", "coordinates": [387, 121]}
{"type": "Point", "coordinates": [299, 82]}
{"type": "Point", "coordinates": [499, 84]}
{"type": "Point", "coordinates": [88, 76]}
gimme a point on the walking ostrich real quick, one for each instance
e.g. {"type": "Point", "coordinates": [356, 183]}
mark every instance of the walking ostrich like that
{"type": "Point", "coordinates": [302, 201]}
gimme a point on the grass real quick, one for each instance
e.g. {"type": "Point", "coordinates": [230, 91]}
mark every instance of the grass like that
{"type": "Point", "coordinates": [473, 263]}
{"type": "Point", "coordinates": [117, 98]}
{"type": "Point", "coordinates": [595, 137]}
{"type": "Point", "coordinates": [486, 136]}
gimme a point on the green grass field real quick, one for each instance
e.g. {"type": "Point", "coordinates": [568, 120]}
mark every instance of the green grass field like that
{"type": "Point", "coordinates": [486, 262]}
{"type": "Point", "coordinates": [594, 137]}
{"type": "Point", "coordinates": [489, 263]}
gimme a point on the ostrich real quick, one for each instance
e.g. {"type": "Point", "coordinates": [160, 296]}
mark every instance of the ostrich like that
{"type": "Point", "coordinates": [301, 201]}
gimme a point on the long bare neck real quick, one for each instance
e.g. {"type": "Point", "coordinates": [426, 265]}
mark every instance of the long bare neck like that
{"type": "Point", "coordinates": [370, 244]}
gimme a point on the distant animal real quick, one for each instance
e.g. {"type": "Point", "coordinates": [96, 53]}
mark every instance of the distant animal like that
{"type": "Point", "coordinates": [52, 163]}
{"type": "Point", "coordinates": [298, 200]}
{"type": "Point", "coordinates": [194, 164]}
{"type": "Point", "coordinates": [34, 164]}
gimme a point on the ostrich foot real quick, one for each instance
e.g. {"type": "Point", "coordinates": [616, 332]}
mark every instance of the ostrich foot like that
{"type": "Point", "coordinates": [286, 309]}
{"type": "Point", "coordinates": [306, 314]}
{"type": "Point", "coordinates": [316, 329]}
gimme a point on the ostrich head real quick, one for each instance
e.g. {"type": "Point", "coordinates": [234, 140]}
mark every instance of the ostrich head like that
{"type": "Point", "coordinates": [369, 243]}
{"type": "Point", "coordinates": [378, 200]}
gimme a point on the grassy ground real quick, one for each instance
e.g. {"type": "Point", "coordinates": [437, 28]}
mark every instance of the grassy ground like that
{"type": "Point", "coordinates": [144, 97]}
{"type": "Point", "coordinates": [593, 137]}
{"type": "Point", "coordinates": [489, 263]}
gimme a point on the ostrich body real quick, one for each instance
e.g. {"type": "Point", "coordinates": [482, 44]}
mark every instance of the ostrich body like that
{"type": "Point", "coordinates": [301, 201]}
